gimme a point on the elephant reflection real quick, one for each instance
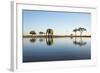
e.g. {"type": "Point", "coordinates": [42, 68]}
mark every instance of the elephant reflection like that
{"type": "Point", "coordinates": [49, 41]}
{"type": "Point", "coordinates": [33, 40]}
{"type": "Point", "coordinates": [80, 42]}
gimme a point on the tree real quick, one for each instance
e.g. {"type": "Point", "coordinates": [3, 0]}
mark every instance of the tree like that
{"type": "Point", "coordinates": [32, 32]}
{"type": "Point", "coordinates": [41, 32]}
{"type": "Point", "coordinates": [75, 30]}
{"type": "Point", "coordinates": [80, 29]}
{"type": "Point", "coordinates": [71, 35]}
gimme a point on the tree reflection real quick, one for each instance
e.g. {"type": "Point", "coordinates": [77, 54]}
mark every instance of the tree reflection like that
{"type": "Point", "coordinates": [79, 42]}
{"type": "Point", "coordinates": [33, 40]}
{"type": "Point", "coordinates": [41, 39]}
{"type": "Point", "coordinates": [49, 41]}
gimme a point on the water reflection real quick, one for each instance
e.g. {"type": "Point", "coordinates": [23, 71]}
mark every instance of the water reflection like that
{"type": "Point", "coordinates": [56, 49]}
{"type": "Point", "coordinates": [49, 40]}
{"type": "Point", "coordinates": [79, 41]}
{"type": "Point", "coordinates": [41, 39]}
{"type": "Point", "coordinates": [32, 40]}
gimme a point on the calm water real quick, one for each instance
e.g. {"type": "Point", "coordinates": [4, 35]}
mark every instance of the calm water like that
{"type": "Point", "coordinates": [56, 49]}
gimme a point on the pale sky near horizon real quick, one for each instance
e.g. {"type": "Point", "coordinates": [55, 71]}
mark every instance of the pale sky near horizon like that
{"type": "Point", "coordinates": [62, 23]}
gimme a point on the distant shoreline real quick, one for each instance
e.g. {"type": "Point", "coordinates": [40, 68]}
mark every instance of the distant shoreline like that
{"type": "Point", "coordinates": [54, 36]}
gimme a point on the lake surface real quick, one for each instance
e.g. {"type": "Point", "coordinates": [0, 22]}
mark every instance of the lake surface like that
{"type": "Point", "coordinates": [56, 49]}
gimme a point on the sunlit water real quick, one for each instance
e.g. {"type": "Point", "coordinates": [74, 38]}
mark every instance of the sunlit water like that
{"type": "Point", "coordinates": [56, 49]}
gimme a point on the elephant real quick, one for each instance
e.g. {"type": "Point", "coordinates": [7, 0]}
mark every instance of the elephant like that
{"type": "Point", "coordinates": [49, 33]}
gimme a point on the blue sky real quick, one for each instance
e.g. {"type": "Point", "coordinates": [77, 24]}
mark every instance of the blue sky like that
{"type": "Point", "coordinates": [61, 22]}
